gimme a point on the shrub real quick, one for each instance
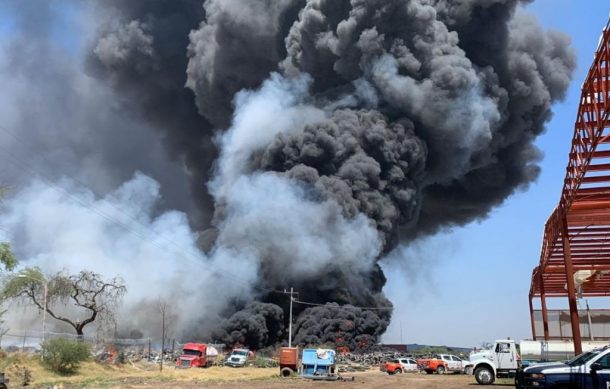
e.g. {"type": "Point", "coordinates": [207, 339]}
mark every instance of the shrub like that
{"type": "Point", "coordinates": [22, 375]}
{"type": "Point", "coordinates": [63, 355]}
{"type": "Point", "coordinates": [121, 358]}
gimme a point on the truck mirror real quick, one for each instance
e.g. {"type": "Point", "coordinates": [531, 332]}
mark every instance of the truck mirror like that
{"type": "Point", "coordinates": [595, 367]}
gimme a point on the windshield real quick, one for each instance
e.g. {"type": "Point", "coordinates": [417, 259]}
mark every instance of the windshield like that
{"type": "Point", "coordinates": [244, 353]}
{"type": "Point", "coordinates": [582, 358]}
{"type": "Point", "coordinates": [196, 353]}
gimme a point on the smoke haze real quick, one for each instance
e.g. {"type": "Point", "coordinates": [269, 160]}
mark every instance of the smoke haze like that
{"type": "Point", "coordinates": [302, 142]}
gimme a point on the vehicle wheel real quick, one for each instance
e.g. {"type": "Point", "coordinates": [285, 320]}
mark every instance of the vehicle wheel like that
{"type": "Point", "coordinates": [440, 370]}
{"type": "Point", "coordinates": [429, 371]}
{"type": "Point", "coordinates": [392, 372]}
{"type": "Point", "coordinates": [484, 376]}
{"type": "Point", "coordinates": [286, 372]}
{"type": "Point", "coordinates": [399, 371]}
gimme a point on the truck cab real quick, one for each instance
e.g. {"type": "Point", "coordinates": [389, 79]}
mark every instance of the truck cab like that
{"type": "Point", "coordinates": [238, 357]}
{"type": "Point", "coordinates": [194, 355]}
{"type": "Point", "coordinates": [587, 370]}
{"type": "Point", "coordinates": [502, 360]}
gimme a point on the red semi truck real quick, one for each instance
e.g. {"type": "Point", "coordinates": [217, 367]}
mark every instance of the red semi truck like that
{"type": "Point", "coordinates": [196, 355]}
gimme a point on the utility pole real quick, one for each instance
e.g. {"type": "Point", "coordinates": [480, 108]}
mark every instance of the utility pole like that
{"type": "Point", "coordinates": [162, 308]}
{"type": "Point", "coordinates": [291, 293]}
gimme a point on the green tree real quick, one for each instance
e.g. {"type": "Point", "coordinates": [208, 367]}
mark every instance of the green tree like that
{"type": "Point", "coordinates": [8, 261]}
{"type": "Point", "coordinates": [88, 295]}
{"type": "Point", "coordinates": [63, 355]}
{"type": "Point", "coordinates": [7, 258]}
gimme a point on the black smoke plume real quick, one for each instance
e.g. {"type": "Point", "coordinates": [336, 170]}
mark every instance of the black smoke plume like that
{"type": "Point", "coordinates": [318, 135]}
{"type": "Point", "coordinates": [429, 112]}
{"type": "Point", "coordinates": [347, 326]}
{"type": "Point", "coordinates": [256, 326]}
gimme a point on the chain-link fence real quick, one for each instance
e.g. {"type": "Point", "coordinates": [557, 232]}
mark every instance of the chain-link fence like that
{"type": "Point", "coordinates": [104, 349]}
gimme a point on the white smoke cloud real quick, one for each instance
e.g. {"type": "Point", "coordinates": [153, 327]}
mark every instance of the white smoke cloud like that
{"type": "Point", "coordinates": [277, 107]}
{"type": "Point", "coordinates": [119, 234]}
{"type": "Point", "coordinates": [294, 236]}
{"type": "Point", "coordinates": [271, 223]}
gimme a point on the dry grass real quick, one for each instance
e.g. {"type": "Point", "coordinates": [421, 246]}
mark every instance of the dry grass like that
{"type": "Point", "coordinates": [93, 374]}
{"type": "Point", "coordinates": [145, 375]}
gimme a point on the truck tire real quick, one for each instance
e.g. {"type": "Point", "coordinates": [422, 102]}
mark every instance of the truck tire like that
{"type": "Point", "coordinates": [440, 370]}
{"type": "Point", "coordinates": [286, 372]}
{"type": "Point", "coordinates": [428, 371]}
{"type": "Point", "coordinates": [399, 371]}
{"type": "Point", "coordinates": [484, 375]}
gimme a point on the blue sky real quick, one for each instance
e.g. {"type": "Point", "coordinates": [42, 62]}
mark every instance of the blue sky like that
{"type": "Point", "coordinates": [471, 285]}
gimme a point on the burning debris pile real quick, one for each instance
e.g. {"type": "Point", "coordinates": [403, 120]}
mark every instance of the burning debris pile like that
{"type": "Point", "coordinates": [345, 327]}
{"type": "Point", "coordinates": [328, 133]}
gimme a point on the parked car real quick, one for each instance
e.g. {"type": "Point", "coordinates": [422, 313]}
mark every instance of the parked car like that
{"type": "Point", "coordinates": [587, 370]}
{"type": "Point", "coordinates": [431, 365]}
{"type": "Point", "coordinates": [443, 363]}
{"type": "Point", "coordinates": [400, 365]}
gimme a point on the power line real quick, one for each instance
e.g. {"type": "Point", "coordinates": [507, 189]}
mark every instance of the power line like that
{"type": "Point", "coordinates": [341, 306]}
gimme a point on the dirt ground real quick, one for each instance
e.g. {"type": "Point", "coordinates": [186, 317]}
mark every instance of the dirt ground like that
{"type": "Point", "coordinates": [363, 380]}
{"type": "Point", "coordinates": [144, 375]}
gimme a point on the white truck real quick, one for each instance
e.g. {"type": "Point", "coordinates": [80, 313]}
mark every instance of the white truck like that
{"type": "Point", "coordinates": [454, 363]}
{"type": "Point", "coordinates": [238, 357]}
{"type": "Point", "coordinates": [504, 358]}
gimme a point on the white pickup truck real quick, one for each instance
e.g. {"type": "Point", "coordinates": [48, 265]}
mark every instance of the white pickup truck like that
{"type": "Point", "coordinates": [442, 363]}
{"type": "Point", "coordinates": [454, 363]}
{"type": "Point", "coordinates": [238, 357]}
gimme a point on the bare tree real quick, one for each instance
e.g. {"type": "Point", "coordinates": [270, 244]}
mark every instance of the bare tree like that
{"type": "Point", "coordinates": [93, 297]}
{"type": "Point", "coordinates": [167, 317]}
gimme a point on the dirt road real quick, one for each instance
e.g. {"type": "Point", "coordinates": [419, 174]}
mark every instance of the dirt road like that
{"type": "Point", "coordinates": [363, 380]}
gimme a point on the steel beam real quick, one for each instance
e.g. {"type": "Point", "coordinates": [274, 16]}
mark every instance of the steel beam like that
{"type": "Point", "coordinates": [545, 318]}
{"type": "Point", "coordinates": [532, 319]}
{"type": "Point", "coordinates": [567, 256]}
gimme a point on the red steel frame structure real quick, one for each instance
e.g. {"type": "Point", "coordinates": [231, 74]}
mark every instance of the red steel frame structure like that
{"type": "Point", "coordinates": [577, 234]}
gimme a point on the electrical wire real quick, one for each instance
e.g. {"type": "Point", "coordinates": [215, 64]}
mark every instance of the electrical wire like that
{"type": "Point", "coordinates": [341, 306]}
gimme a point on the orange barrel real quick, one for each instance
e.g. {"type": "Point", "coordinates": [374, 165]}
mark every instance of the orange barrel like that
{"type": "Point", "coordinates": [289, 359]}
